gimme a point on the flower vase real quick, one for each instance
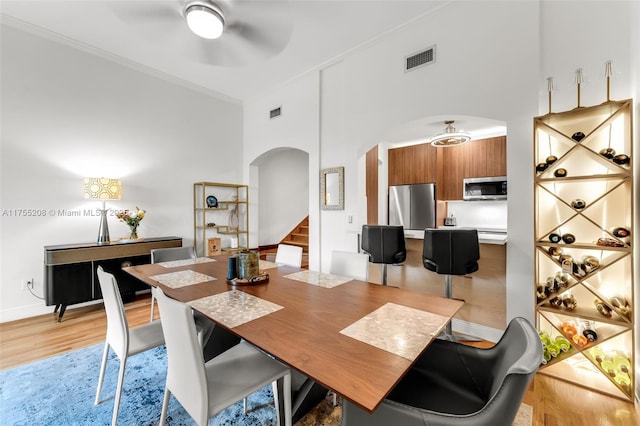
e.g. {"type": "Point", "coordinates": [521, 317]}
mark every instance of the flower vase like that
{"type": "Point", "coordinates": [234, 220]}
{"type": "Point", "coordinates": [134, 232]}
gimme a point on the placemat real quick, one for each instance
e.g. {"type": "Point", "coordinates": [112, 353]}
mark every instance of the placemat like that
{"type": "Point", "coordinates": [265, 264]}
{"type": "Point", "coordinates": [182, 278]}
{"type": "Point", "coordinates": [398, 329]}
{"type": "Point", "coordinates": [184, 262]}
{"type": "Point", "coordinates": [233, 308]}
{"type": "Point", "coordinates": [320, 279]}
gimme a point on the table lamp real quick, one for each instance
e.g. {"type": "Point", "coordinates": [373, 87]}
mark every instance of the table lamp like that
{"type": "Point", "coordinates": [102, 189]}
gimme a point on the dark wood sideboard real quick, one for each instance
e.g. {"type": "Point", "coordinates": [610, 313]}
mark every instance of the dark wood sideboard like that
{"type": "Point", "coordinates": [70, 269]}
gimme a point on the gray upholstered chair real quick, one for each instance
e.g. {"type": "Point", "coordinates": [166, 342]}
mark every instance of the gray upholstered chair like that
{"type": "Point", "coordinates": [384, 244]}
{"type": "Point", "coordinates": [204, 389]}
{"type": "Point", "coordinates": [453, 384]}
{"type": "Point", "coordinates": [167, 255]}
{"type": "Point", "coordinates": [125, 342]}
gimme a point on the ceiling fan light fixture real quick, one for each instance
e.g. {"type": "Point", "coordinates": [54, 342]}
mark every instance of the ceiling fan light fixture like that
{"type": "Point", "coordinates": [204, 20]}
{"type": "Point", "coordinates": [450, 137]}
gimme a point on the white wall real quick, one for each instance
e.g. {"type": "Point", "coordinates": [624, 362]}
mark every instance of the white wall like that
{"type": "Point", "coordinates": [67, 114]}
{"type": "Point", "coordinates": [297, 127]}
{"type": "Point", "coordinates": [284, 194]}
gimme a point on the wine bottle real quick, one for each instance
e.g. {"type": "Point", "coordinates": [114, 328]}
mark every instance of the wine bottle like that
{"type": "Point", "coordinates": [551, 159]}
{"type": "Point", "coordinates": [589, 331]}
{"type": "Point", "coordinates": [541, 167]}
{"type": "Point", "coordinates": [621, 232]}
{"type": "Point", "coordinates": [577, 136]}
{"type": "Point", "coordinates": [562, 279]}
{"type": "Point", "coordinates": [597, 354]}
{"type": "Point", "coordinates": [556, 302]}
{"type": "Point", "coordinates": [560, 173]}
{"type": "Point", "coordinates": [569, 302]}
{"type": "Point", "coordinates": [622, 364]}
{"type": "Point", "coordinates": [579, 340]}
{"type": "Point", "coordinates": [555, 238]}
{"type": "Point", "coordinates": [562, 343]}
{"type": "Point", "coordinates": [602, 308]}
{"type": "Point", "coordinates": [569, 329]}
{"type": "Point", "coordinates": [569, 238]}
{"type": "Point", "coordinates": [546, 356]}
{"type": "Point", "coordinates": [553, 349]}
{"type": "Point", "coordinates": [621, 159]}
{"type": "Point", "coordinates": [578, 204]}
{"type": "Point", "coordinates": [608, 153]}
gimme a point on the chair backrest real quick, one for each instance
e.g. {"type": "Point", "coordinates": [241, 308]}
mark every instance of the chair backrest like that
{"type": "Point", "coordinates": [451, 251]}
{"type": "Point", "coordinates": [289, 255]}
{"type": "Point", "coordinates": [350, 264]}
{"type": "Point", "coordinates": [186, 376]}
{"type": "Point", "coordinates": [384, 243]}
{"type": "Point", "coordinates": [172, 253]}
{"type": "Point", "coordinates": [117, 325]}
{"type": "Point", "coordinates": [519, 354]}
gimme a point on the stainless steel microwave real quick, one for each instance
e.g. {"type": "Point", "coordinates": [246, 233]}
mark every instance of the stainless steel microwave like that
{"type": "Point", "coordinates": [486, 188]}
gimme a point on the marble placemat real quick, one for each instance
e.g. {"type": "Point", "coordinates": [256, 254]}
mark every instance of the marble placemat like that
{"type": "Point", "coordinates": [320, 279]}
{"type": "Point", "coordinates": [398, 329]}
{"type": "Point", "coordinates": [185, 262]}
{"type": "Point", "coordinates": [182, 278]}
{"type": "Point", "coordinates": [265, 264]}
{"type": "Point", "coordinates": [233, 308]}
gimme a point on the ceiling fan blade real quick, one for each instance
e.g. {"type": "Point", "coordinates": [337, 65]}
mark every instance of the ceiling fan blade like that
{"type": "Point", "coordinates": [254, 29]}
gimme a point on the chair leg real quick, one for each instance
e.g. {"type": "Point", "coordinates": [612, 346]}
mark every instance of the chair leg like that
{"type": "Point", "coordinates": [165, 406]}
{"type": "Point", "coordinates": [153, 299]}
{"type": "Point", "coordinates": [116, 403]}
{"type": "Point", "coordinates": [103, 367]}
{"type": "Point", "coordinates": [287, 399]}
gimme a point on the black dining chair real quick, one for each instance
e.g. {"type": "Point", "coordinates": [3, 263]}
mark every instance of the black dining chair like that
{"type": "Point", "coordinates": [384, 244]}
{"type": "Point", "coordinates": [451, 252]}
{"type": "Point", "coordinates": [453, 384]}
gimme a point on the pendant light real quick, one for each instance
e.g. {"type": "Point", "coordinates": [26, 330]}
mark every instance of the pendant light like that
{"type": "Point", "coordinates": [450, 137]}
{"type": "Point", "coordinates": [204, 20]}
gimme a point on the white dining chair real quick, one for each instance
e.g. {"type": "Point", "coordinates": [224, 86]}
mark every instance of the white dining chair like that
{"type": "Point", "coordinates": [205, 389]}
{"type": "Point", "coordinates": [166, 255]}
{"type": "Point", "coordinates": [350, 264]}
{"type": "Point", "coordinates": [125, 342]}
{"type": "Point", "coordinates": [289, 255]}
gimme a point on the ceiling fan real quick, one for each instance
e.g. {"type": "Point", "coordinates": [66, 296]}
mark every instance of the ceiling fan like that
{"type": "Point", "coordinates": [239, 33]}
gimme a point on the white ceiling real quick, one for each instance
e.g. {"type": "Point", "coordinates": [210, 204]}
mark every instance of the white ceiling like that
{"type": "Point", "coordinates": [152, 35]}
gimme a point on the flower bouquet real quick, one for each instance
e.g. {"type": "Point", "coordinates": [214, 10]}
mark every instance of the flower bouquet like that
{"type": "Point", "coordinates": [133, 219]}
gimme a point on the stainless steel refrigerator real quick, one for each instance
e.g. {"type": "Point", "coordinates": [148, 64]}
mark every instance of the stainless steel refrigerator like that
{"type": "Point", "coordinates": [413, 206]}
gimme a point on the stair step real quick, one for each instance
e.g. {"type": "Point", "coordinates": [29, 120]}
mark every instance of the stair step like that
{"type": "Point", "coordinates": [298, 237]}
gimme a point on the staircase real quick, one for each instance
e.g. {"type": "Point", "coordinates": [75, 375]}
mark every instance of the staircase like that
{"type": "Point", "coordinates": [299, 236]}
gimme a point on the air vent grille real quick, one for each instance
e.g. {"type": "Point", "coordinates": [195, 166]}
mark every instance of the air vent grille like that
{"type": "Point", "coordinates": [275, 112]}
{"type": "Point", "coordinates": [424, 57]}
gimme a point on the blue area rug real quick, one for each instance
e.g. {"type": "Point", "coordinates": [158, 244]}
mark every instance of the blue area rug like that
{"type": "Point", "coordinates": [61, 391]}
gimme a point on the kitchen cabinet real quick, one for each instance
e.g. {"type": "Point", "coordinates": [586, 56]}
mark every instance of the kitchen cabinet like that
{"type": "Point", "coordinates": [220, 210]}
{"type": "Point", "coordinates": [583, 218]}
{"type": "Point", "coordinates": [447, 167]}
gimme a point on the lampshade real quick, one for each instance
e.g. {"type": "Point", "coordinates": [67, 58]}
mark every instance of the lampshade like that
{"type": "Point", "coordinates": [450, 137]}
{"type": "Point", "coordinates": [204, 20]}
{"type": "Point", "coordinates": [102, 189]}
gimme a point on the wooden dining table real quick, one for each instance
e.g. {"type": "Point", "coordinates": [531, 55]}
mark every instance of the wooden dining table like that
{"type": "Point", "coordinates": [356, 338]}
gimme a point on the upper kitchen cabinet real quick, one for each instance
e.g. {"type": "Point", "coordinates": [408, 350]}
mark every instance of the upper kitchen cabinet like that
{"type": "Point", "coordinates": [447, 167]}
{"type": "Point", "coordinates": [413, 164]}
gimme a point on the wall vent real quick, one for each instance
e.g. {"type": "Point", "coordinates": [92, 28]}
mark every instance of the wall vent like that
{"type": "Point", "coordinates": [275, 112]}
{"type": "Point", "coordinates": [419, 59]}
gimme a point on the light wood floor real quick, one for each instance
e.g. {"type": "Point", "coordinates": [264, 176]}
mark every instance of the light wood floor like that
{"type": "Point", "coordinates": [555, 403]}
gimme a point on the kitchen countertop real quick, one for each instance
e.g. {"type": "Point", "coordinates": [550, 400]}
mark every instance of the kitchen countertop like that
{"type": "Point", "coordinates": [485, 236]}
